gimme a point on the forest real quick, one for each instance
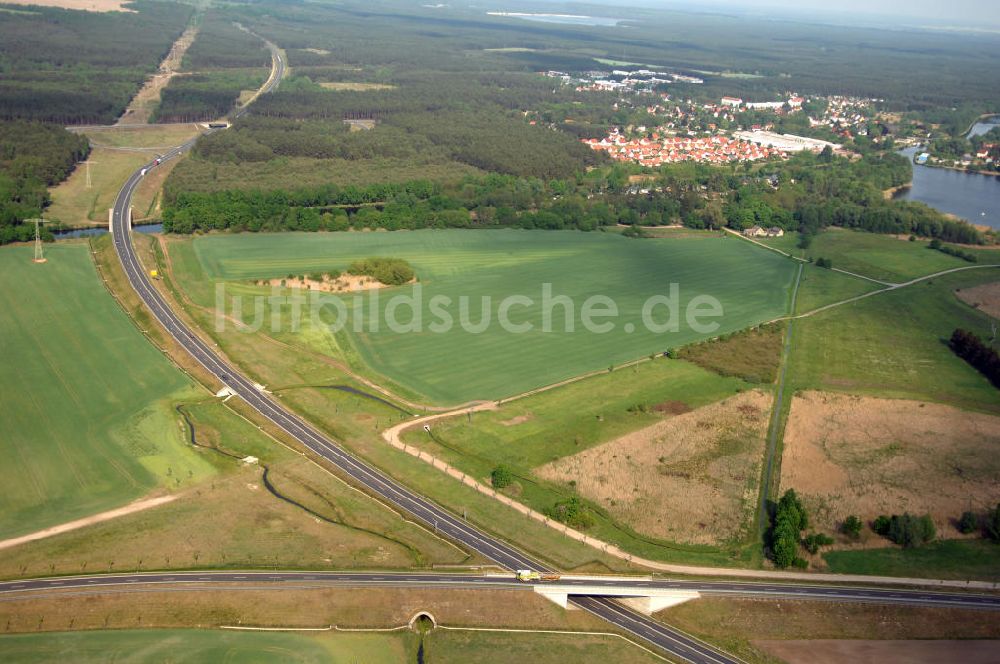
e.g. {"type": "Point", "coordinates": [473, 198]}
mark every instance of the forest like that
{"type": "Point", "coordinates": [76, 67]}
{"type": "Point", "coordinates": [33, 156]}
{"type": "Point", "coordinates": [222, 62]}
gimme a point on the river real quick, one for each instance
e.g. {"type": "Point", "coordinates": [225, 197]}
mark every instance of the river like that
{"type": "Point", "coordinates": [101, 230]}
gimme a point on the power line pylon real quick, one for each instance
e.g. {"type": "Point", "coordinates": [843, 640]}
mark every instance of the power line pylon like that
{"type": "Point", "coordinates": [39, 255]}
{"type": "Point", "coordinates": [88, 163]}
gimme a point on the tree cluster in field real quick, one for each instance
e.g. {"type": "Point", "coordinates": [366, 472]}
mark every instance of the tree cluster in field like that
{"type": "Point", "coordinates": [788, 521]}
{"type": "Point", "coordinates": [824, 262]}
{"type": "Point", "coordinates": [389, 271]}
{"type": "Point", "coordinates": [953, 251]}
{"type": "Point", "coordinates": [33, 156]}
{"type": "Point", "coordinates": [976, 352]}
{"type": "Point", "coordinates": [79, 67]}
{"type": "Point", "coordinates": [572, 512]}
{"type": "Point", "coordinates": [907, 530]}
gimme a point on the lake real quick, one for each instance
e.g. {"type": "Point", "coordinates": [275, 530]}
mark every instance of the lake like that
{"type": "Point", "coordinates": [971, 196]}
{"type": "Point", "coordinates": [569, 19]}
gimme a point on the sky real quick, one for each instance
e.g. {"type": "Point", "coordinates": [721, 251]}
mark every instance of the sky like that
{"type": "Point", "coordinates": [950, 12]}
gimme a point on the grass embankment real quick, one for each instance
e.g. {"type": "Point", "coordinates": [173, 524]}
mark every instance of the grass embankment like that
{"type": "Point", "coordinates": [49, 617]}
{"type": "Point", "coordinates": [87, 419]}
{"type": "Point", "coordinates": [453, 366]}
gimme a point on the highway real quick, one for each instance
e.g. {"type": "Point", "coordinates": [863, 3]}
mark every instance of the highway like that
{"type": "Point", "coordinates": [392, 492]}
{"type": "Point", "coordinates": [709, 588]}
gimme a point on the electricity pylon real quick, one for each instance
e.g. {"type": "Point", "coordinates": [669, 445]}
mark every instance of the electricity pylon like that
{"type": "Point", "coordinates": [88, 163]}
{"type": "Point", "coordinates": [39, 256]}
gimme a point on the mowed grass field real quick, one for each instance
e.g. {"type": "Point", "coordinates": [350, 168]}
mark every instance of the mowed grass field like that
{"type": "Point", "coordinates": [751, 284]}
{"type": "Point", "coordinates": [87, 420]}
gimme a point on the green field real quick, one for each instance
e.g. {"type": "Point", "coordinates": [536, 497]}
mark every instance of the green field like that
{"type": "Point", "coordinates": [879, 256]}
{"type": "Point", "coordinates": [202, 645]}
{"type": "Point", "coordinates": [894, 344]}
{"type": "Point", "coordinates": [195, 645]}
{"type": "Point", "coordinates": [87, 416]}
{"type": "Point", "coordinates": [947, 559]}
{"type": "Point", "coordinates": [458, 365]}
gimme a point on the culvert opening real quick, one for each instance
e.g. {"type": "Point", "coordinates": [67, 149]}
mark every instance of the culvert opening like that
{"type": "Point", "coordinates": [422, 623]}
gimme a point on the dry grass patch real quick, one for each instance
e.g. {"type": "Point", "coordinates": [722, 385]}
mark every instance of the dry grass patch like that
{"type": "Point", "coordinates": [752, 354]}
{"type": "Point", "coordinates": [356, 86]}
{"type": "Point", "coordinates": [828, 651]}
{"type": "Point", "coordinates": [869, 456]}
{"type": "Point", "coordinates": [985, 297]}
{"type": "Point", "coordinates": [80, 5]}
{"type": "Point", "coordinates": [690, 478]}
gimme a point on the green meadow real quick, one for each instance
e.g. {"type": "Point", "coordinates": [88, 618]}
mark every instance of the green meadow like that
{"type": "Point", "coordinates": [87, 422]}
{"type": "Point", "coordinates": [894, 344]}
{"type": "Point", "coordinates": [477, 270]}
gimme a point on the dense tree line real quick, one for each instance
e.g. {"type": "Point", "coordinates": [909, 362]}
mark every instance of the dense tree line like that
{"type": "Point", "coordinates": [220, 44]}
{"type": "Point", "coordinates": [976, 352]}
{"type": "Point", "coordinates": [203, 96]}
{"type": "Point", "coordinates": [790, 519]}
{"type": "Point", "coordinates": [77, 67]}
{"type": "Point", "coordinates": [33, 156]}
{"type": "Point", "coordinates": [473, 202]}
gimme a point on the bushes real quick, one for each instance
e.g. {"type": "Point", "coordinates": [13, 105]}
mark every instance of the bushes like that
{"type": "Point", "coordinates": [953, 251]}
{"type": "Point", "coordinates": [982, 357]}
{"type": "Point", "coordinates": [968, 523]}
{"type": "Point", "coordinates": [390, 271]}
{"type": "Point", "coordinates": [501, 477]}
{"type": "Point", "coordinates": [824, 262]}
{"type": "Point", "coordinates": [572, 512]}
{"type": "Point", "coordinates": [907, 530]}
{"type": "Point", "coordinates": [852, 527]}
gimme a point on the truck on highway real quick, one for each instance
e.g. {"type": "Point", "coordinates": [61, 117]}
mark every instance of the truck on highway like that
{"type": "Point", "coordinates": [527, 575]}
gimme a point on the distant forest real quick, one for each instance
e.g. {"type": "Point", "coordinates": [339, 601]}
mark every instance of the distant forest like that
{"type": "Point", "coordinates": [76, 67]}
{"type": "Point", "coordinates": [221, 63]}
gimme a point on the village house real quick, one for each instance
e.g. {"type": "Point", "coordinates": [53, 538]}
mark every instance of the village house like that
{"type": "Point", "coordinates": [758, 231]}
